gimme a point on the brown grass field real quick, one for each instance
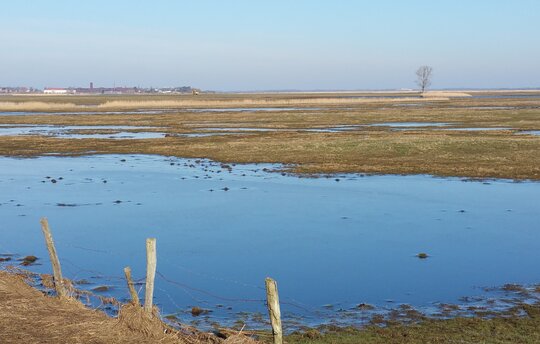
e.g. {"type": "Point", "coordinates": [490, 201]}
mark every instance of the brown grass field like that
{"type": "Point", "coordinates": [501, 153]}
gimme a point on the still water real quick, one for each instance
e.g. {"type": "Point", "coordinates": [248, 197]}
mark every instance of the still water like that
{"type": "Point", "coordinates": [80, 131]}
{"type": "Point", "coordinates": [331, 242]}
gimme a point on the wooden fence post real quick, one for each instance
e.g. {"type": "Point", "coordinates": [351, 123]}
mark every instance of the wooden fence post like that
{"type": "Point", "coordinates": [57, 271]}
{"type": "Point", "coordinates": [272, 299]}
{"type": "Point", "coordinates": [151, 263]}
{"type": "Point", "coordinates": [132, 291]}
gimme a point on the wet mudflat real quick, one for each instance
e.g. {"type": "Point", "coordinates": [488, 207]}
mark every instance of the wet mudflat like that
{"type": "Point", "coordinates": [342, 248]}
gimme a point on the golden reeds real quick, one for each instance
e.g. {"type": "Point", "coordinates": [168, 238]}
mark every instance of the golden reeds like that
{"type": "Point", "coordinates": [203, 103]}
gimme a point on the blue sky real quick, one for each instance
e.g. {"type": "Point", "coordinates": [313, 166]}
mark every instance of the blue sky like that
{"type": "Point", "coordinates": [263, 45]}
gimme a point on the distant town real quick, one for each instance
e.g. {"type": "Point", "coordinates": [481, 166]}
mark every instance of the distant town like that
{"type": "Point", "coordinates": [98, 90]}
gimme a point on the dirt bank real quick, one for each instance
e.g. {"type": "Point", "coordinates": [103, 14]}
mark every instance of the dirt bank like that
{"type": "Point", "coordinates": [29, 316]}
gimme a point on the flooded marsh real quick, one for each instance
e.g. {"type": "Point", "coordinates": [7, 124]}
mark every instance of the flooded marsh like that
{"type": "Point", "coordinates": [221, 229]}
{"type": "Point", "coordinates": [374, 235]}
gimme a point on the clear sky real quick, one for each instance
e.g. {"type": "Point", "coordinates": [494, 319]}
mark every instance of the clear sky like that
{"type": "Point", "coordinates": [270, 44]}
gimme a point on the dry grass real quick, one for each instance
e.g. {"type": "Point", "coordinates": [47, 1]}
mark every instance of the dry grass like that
{"type": "Point", "coordinates": [202, 103]}
{"type": "Point", "coordinates": [445, 94]}
{"type": "Point", "coordinates": [28, 316]}
{"type": "Point", "coordinates": [35, 106]}
{"type": "Point", "coordinates": [501, 153]}
{"type": "Point", "coordinates": [137, 320]}
{"type": "Point", "coordinates": [249, 102]}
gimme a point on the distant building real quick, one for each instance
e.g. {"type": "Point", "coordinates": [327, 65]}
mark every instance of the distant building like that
{"type": "Point", "coordinates": [18, 90]}
{"type": "Point", "coordinates": [92, 89]}
{"type": "Point", "coordinates": [53, 90]}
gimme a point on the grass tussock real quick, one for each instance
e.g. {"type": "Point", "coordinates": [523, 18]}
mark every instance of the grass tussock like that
{"type": "Point", "coordinates": [239, 339]}
{"type": "Point", "coordinates": [136, 319]}
{"type": "Point", "coordinates": [28, 315]}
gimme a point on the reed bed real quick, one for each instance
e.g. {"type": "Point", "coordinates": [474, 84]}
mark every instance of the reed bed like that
{"type": "Point", "coordinates": [439, 94]}
{"type": "Point", "coordinates": [36, 106]}
{"type": "Point", "coordinates": [251, 102]}
{"type": "Point", "coordinates": [203, 103]}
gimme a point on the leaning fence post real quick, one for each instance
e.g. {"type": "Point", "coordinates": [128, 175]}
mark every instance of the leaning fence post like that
{"type": "Point", "coordinates": [151, 262]}
{"type": "Point", "coordinates": [57, 271]}
{"type": "Point", "coordinates": [272, 299]}
{"type": "Point", "coordinates": [132, 291]}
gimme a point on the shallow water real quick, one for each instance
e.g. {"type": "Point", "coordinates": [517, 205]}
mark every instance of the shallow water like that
{"type": "Point", "coordinates": [123, 135]}
{"type": "Point", "coordinates": [336, 129]}
{"type": "Point", "coordinates": [199, 134]}
{"type": "Point", "coordinates": [530, 132]}
{"type": "Point", "coordinates": [331, 243]}
{"type": "Point", "coordinates": [478, 129]}
{"type": "Point", "coordinates": [409, 124]}
{"type": "Point", "coordinates": [79, 131]}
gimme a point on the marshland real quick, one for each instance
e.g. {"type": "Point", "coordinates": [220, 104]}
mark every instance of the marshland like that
{"type": "Point", "coordinates": [285, 172]}
{"type": "Point", "coordinates": [479, 136]}
{"type": "Point", "coordinates": [391, 211]}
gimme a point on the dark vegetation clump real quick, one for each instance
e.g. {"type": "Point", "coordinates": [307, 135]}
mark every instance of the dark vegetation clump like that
{"type": "Point", "coordinates": [28, 260]}
{"type": "Point", "coordinates": [365, 307]}
{"type": "Point", "coordinates": [196, 311]}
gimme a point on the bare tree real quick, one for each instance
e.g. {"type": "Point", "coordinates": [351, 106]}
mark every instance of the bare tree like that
{"type": "Point", "coordinates": [423, 75]}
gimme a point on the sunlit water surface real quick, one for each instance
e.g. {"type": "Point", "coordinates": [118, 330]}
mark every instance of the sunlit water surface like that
{"type": "Point", "coordinates": [331, 242]}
